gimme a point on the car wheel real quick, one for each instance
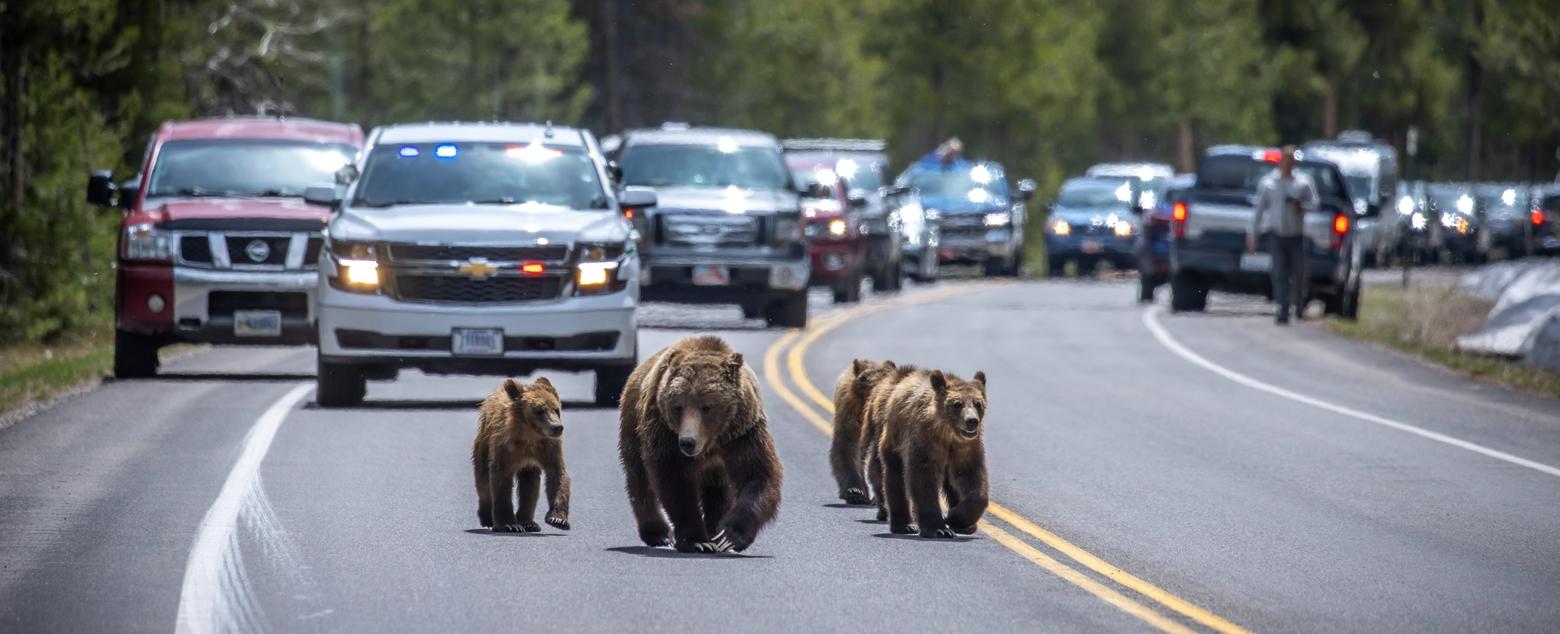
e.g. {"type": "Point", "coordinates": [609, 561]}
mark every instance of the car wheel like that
{"type": "Point", "coordinates": [135, 355]}
{"type": "Point", "coordinates": [1055, 266]}
{"type": "Point", "coordinates": [610, 381]}
{"type": "Point", "coordinates": [789, 311]}
{"type": "Point", "coordinates": [338, 384]}
{"type": "Point", "coordinates": [848, 291]}
{"type": "Point", "coordinates": [1145, 289]}
{"type": "Point", "coordinates": [1187, 293]}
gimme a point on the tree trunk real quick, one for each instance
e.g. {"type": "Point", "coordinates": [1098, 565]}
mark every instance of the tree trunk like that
{"type": "Point", "coordinates": [1475, 73]}
{"type": "Point", "coordinates": [1329, 111]}
{"type": "Point", "coordinates": [1184, 149]}
{"type": "Point", "coordinates": [609, 82]}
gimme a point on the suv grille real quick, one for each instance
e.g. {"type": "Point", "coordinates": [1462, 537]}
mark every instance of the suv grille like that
{"type": "Point", "coordinates": [495, 254]}
{"type": "Point", "coordinates": [195, 249]}
{"type": "Point", "coordinates": [712, 230]}
{"type": "Point", "coordinates": [445, 288]}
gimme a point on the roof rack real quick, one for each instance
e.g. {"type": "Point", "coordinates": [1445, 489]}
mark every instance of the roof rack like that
{"type": "Point", "coordinates": [837, 145]}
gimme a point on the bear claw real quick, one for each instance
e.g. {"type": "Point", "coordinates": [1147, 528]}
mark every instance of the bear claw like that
{"type": "Point", "coordinates": [558, 521]}
{"type": "Point", "coordinates": [717, 544]}
{"type": "Point", "coordinates": [508, 528]}
{"type": "Point", "coordinates": [943, 532]}
{"type": "Point", "coordinates": [855, 495]}
{"type": "Point", "coordinates": [907, 529]}
{"type": "Point", "coordinates": [530, 526]}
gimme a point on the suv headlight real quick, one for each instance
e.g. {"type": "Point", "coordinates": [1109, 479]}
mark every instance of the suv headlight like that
{"type": "Point", "coordinates": [998, 219]}
{"type": "Point", "coordinates": [598, 266]}
{"type": "Point", "coordinates": [356, 266]}
{"type": "Point", "coordinates": [145, 241]}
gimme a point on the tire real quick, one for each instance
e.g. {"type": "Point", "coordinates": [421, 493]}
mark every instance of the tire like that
{"type": "Point", "coordinates": [135, 355]}
{"type": "Point", "coordinates": [1145, 289]}
{"type": "Point", "coordinates": [610, 381]}
{"type": "Point", "coordinates": [789, 310]}
{"type": "Point", "coordinates": [1055, 267]}
{"type": "Point", "coordinates": [338, 384]}
{"type": "Point", "coordinates": [886, 279]}
{"type": "Point", "coordinates": [1188, 294]}
{"type": "Point", "coordinates": [752, 310]}
{"type": "Point", "coordinates": [848, 291]}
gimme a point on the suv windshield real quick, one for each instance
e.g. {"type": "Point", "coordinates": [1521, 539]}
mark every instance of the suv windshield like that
{"type": "Point", "coordinates": [480, 173]}
{"type": "Point", "coordinates": [245, 167]}
{"type": "Point", "coordinates": [659, 165]}
{"type": "Point", "coordinates": [1095, 193]}
{"type": "Point", "coordinates": [978, 183]}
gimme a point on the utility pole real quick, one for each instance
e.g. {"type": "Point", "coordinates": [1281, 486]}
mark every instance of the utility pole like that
{"type": "Point", "coordinates": [1411, 148]}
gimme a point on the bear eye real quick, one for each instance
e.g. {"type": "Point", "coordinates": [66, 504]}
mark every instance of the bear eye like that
{"type": "Point", "coordinates": [677, 411]}
{"type": "Point", "coordinates": [704, 409]}
{"type": "Point", "coordinates": [980, 408]}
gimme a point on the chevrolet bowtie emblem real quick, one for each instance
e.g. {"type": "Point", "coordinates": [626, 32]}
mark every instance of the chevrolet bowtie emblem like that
{"type": "Point", "coordinates": [478, 268]}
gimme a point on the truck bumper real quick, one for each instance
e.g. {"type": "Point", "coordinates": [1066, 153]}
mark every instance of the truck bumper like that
{"type": "Point", "coordinates": [671, 278]}
{"type": "Point", "coordinates": [961, 249]}
{"type": "Point", "coordinates": [833, 261]}
{"type": "Point", "coordinates": [201, 304]}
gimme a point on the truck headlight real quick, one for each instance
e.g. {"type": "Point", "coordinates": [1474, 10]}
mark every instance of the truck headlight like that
{"type": "Point", "coordinates": [1123, 229]}
{"type": "Point", "coordinates": [1060, 227]}
{"type": "Point", "coordinates": [998, 219]}
{"type": "Point", "coordinates": [837, 228]}
{"type": "Point", "coordinates": [597, 268]}
{"type": "Point", "coordinates": [145, 242]}
{"type": "Point", "coordinates": [357, 267]}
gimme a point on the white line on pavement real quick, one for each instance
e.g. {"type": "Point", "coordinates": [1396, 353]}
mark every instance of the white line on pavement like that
{"type": "Point", "coordinates": [1151, 320]}
{"type": "Point", "coordinates": [204, 605]}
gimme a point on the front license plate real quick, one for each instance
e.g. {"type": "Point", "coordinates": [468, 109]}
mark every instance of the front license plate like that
{"type": "Point", "coordinates": [1090, 246]}
{"type": "Point", "coordinates": [257, 323]}
{"type": "Point", "coordinates": [706, 275]}
{"type": "Point", "coordinates": [477, 341]}
{"type": "Point", "coordinates": [1256, 262]}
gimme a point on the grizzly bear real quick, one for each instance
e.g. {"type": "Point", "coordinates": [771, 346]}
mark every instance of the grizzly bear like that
{"type": "Point", "coordinates": [850, 402]}
{"type": "Point", "coordinates": [931, 444]}
{"type": "Point", "coordinates": [695, 443]}
{"type": "Point", "coordinates": [520, 436]}
{"type": "Point", "coordinates": [872, 429]}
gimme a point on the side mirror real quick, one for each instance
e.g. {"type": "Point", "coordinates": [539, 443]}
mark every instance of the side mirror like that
{"type": "Point", "coordinates": [323, 195]}
{"type": "Point", "coordinates": [127, 192]}
{"type": "Point", "coordinates": [1026, 189]}
{"type": "Point", "coordinates": [637, 198]}
{"type": "Point", "coordinates": [346, 174]}
{"type": "Point", "coordinates": [101, 188]}
{"type": "Point", "coordinates": [615, 170]}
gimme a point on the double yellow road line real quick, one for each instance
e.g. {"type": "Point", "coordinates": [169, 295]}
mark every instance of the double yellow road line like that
{"type": "Point", "coordinates": [1146, 601]}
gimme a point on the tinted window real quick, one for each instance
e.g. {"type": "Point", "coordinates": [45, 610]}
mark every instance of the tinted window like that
{"type": "Point", "coordinates": [480, 173]}
{"type": "Point", "coordinates": [229, 167]}
{"type": "Point", "coordinates": [1096, 193]}
{"type": "Point", "coordinates": [1243, 173]}
{"type": "Point", "coordinates": [978, 183]}
{"type": "Point", "coordinates": [704, 166]}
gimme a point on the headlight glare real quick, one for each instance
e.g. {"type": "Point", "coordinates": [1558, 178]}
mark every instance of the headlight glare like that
{"type": "Point", "coordinates": [145, 242]}
{"type": "Point", "coordinates": [998, 219]}
{"type": "Point", "coordinates": [1060, 227]}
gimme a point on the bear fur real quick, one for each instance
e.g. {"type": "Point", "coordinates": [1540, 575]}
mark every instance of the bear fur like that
{"type": "Point", "coordinates": [851, 391]}
{"type": "Point", "coordinates": [871, 435]}
{"type": "Point", "coordinates": [520, 438]}
{"type": "Point", "coordinates": [695, 444]}
{"type": "Point", "coordinates": [931, 443]}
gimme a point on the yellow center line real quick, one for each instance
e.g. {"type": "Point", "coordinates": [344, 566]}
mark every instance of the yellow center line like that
{"type": "Point", "coordinates": [795, 362]}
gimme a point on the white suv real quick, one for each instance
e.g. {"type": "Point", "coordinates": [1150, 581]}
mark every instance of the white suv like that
{"type": "Point", "coordinates": [472, 248]}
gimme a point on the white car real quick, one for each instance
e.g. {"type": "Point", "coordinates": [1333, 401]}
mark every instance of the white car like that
{"type": "Point", "coordinates": [477, 248]}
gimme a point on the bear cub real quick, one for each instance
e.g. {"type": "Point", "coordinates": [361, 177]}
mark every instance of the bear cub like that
{"type": "Point", "coordinates": [846, 456]}
{"type": "Point", "coordinates": [931, 443]}
{"type": "Point", "coordinates": [519, 438]}
{"type": "Point", "coordinates": [695, 445]}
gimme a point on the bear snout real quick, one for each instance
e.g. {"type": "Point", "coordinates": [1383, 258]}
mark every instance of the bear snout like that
{"type": "Point", "coordinates": [971, 425]}
{"type": "Point", "coordinates": [689, 445]}
{"type": "Point", "coordinates": [556, 431]}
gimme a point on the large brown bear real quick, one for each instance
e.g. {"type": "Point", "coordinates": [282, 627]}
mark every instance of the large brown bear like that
{"type": "Point", "coordinates": [694, 441]}
{"type": "Point", "coordinates": [930, 444]}
{"type": "Point", "coordinates": [520, 436]}
{"type": "Point", "coordinates": [850, 402]}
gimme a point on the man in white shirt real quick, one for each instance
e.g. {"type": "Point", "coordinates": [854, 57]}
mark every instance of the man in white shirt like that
{"type": "Point", "coordinates": [1284, 197]}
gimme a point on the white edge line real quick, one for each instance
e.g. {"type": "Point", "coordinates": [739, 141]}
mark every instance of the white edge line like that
{"type": "Point", "coordinates": [1151, 320]}
{"type": "Point", "coordinates": [203, 571]}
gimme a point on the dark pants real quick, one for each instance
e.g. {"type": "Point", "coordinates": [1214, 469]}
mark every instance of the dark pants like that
{"type": "Point", "coordinates": [1290, 274]}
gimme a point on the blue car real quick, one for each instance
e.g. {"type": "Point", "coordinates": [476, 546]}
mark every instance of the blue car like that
{"type": "Point", "coordinates": [1094, 219]}
{"type": "Point", "coordinates": [1153, 242]}
{"type": "Point", "coordinates": [981, 221]}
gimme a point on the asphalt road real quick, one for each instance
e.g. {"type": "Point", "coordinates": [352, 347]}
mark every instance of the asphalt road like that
{"type": "Point", "coordinates": [1150, 471]}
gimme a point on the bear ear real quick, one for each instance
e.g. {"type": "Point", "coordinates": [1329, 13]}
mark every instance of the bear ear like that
{"type": "Point", "coordinates": [734, 364]}
{"type": "Point", "coordinates": [512, 389]}
{"type": "Point", "coordinates": [889, 365]}
{"type": "Point", "coordinates": [542, 382]}
{"type": "Point", "coordinates": [857, 365]}
{"type": "Point", "coordinates": [980, 378]}
{"type": "Point", "coordinates": [939, 382]}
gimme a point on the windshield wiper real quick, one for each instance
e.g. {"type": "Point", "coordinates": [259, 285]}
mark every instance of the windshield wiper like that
{"type": "Point", "coordinates": [279, 193]}
{"type": "Point", "coordinates": [503, 200]}
{"type": "Point", "coordinates": [191, 192]}
{"type": "Point", "coordinates": [386, 203]}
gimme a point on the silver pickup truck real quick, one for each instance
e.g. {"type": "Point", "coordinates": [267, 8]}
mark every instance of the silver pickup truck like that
{"type": "Point", "coordinates": [1208, 250]}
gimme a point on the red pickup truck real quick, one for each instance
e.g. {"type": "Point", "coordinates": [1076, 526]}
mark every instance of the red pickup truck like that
{"type": "Point", "coordinates": [217, 244]}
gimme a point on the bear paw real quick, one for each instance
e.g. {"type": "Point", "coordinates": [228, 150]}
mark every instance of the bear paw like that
{"type": "Point", "coordinates": [963, 530]}
{"type": "Point", "coordinates": [717, 544]}
{"type": "Point", "coordinates": [508, 528]}
{"type": "Point", "coordinates": [904, 529]}
{"type": "Point", "coordinates": [557, 520]}
{"type": "Point", "coordinates": [530, 526]}
{"type": "Point", "coordinates": [882, 514]}
{"type": "Point", "coordinates": [943, 533]}
{"type": "Point", "coordinates": [485, 519]}
{"type": "Point", "coordinates": [855, 495]}
{"type": "Point", "coordinates": [655, 534]}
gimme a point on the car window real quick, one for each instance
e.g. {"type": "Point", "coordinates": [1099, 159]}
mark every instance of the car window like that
{"type": "Point", "coordinates": [480, 173]}
{"type": "Point", "coordinates": [978, 183]}
{"type": "Point", "coordinates": [1096, 193]}
{"type": "Point", "coordinates": [659, 165]}
{"type": "Point", "coordinates": [245, 167]}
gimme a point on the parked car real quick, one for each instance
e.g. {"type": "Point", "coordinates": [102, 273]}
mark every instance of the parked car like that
{"type": "Point", "coordinates": [1544, 219]}
{"type": "Point", "coordinates": [728, 227]}
{"type": "Point", "coordinates": [217, 244]}
{"type": "Point", "coordinates": [1152, 178]}
{"type": "Point", "coordinates": [1370, 169]}
{"type": "Point", "coordinates": [478, 249]}
{"type": "Point", "coordinates": [1454, 209]}
{"type": "Point", "coordinates": [1209, 251]}
{"type": "Point", "coordinates": [1094, 219]}
{"type": "Point", "coordinates": [1418, 235]}
{"type": "Point", "coordinates": [1153, 236]}
{"type": "Point", "coordinates": [836, 243]}
{"type": "Point", "coordinates": [862, 164]}
{"type": "Point", "coordinates": [979, 219]}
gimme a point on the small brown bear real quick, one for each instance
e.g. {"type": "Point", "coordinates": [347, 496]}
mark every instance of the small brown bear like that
{"type": "Point", "coordinates": [931, 443]}
{"type": "Point", "coordinates": [850, 402]}
{"type": "Point", "coordinates": [694, 441]}
{"type": "Point", "coordinates": [519, 437]}
{"type": "Point", "coordinates": [873, 413]}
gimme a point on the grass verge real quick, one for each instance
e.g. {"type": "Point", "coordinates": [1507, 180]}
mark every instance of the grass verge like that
{"type": "Point", "coordinates": [31, 373]}
{"type": "Point", "coordinates": [1426, 321]}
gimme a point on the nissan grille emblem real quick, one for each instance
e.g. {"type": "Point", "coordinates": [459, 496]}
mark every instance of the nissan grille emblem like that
{"type": "Point", "coordinates": [257, 250]}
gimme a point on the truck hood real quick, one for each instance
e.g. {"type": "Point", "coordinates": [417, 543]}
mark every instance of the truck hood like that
{"type": "Point", "coordinates": [478, 224]}
{"type": "Point", "coordinates": [725, 199]}
{"type": "Point", "coordinates": [215, 211]}
{"type": "Point", "coordinates": [952, 205]}
{"type": "Point", "coordinates": [1085, 215]}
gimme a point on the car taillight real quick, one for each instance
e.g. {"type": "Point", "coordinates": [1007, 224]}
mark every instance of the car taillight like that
{"type": "Point", "coordinates": [1340, 228]}
{"type": "Point", "coordinates": [1537, 217]}
{"type": "Point", "coordinates": [1272, 156]}
{"type": "Point", "coordinates": [1178, 214]}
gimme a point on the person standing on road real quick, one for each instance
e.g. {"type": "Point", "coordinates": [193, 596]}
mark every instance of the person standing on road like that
{"type": "Point", "coordinates": [1284, 197]}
